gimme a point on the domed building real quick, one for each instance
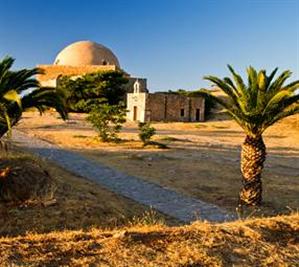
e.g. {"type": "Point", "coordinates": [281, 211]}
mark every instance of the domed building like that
{"type": "Point", "coordinates": [86, 53]}
{"type": "Point", "coordinates": [84, 57]}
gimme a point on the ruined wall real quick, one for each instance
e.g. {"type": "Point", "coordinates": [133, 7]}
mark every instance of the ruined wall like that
{"type": "Point", "coordinates": [164, 107]}
{"type": "Point", "coordinates": [49, 83]}
{"type": "Point", "coordinates": [197, 103]}
{"type": "Point", "coordinates": [53, 71]}
{"type": "Point", "coordinates": [172, 107]}
{"type": "Point", "coordinates": [155, 107]}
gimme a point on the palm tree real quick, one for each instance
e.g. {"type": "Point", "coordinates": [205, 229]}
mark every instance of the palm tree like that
{"type": "Point", "coordinates": [19, 90]}
{"type": "Point", "coordinates": [255, 106]}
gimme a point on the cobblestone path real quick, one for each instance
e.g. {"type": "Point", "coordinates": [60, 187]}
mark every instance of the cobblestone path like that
{"type": "Point", "coordinates": [167, 201]}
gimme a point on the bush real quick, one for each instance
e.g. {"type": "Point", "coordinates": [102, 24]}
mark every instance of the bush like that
{"type": "Point", "coordinates": [108, 120]}
{"type": "Point", "coordinates": [146, 132]}
{"type": "Point", "coordinates": [24, 179]}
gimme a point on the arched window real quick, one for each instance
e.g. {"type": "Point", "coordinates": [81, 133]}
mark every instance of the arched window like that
{"type": "Point", "coordinates": [136, 86]}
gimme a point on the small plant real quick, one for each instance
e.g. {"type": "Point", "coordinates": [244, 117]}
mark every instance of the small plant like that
{"type": "Point", "coordinates": [108, 120]}
{"type": "Point", "coordinates": [149, 217]}
{"type": "Point", "coordinates": [146, 132]}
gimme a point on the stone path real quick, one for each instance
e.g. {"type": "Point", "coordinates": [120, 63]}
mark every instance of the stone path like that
{"type": "Point", "coordinates": [167, 201]}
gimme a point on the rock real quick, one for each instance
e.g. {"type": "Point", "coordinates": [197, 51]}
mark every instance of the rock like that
{"type": "Point", "coordinates": [50, 202]}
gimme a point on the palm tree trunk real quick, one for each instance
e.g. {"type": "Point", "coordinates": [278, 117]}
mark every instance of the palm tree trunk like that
{"type": "Point", "coordinates": [253, 156]}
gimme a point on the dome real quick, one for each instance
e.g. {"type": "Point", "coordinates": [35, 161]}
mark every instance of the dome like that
{"type": "Point", "coordinates": [84, 53]}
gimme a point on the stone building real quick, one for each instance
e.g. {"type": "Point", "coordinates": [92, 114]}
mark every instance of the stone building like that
{"type": "Point", "coordinates": [85, 57]}
{"type": "Point", "coordinates": [145, 107]}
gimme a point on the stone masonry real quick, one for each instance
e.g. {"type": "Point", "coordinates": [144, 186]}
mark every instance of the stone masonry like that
{"type": "Point", "coordinates": [144, 107]}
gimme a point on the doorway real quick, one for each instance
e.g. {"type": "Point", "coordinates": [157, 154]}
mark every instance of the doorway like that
{"type": "Point", "coordinates": [197, 115]}
{"type": "Point", "coordinates": [135, 113]}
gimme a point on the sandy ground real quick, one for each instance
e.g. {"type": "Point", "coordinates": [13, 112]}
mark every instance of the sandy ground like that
{"type": "Point", "coordinates": [203, 159]}
{"type": "Point", "coordinates": [77, 204]}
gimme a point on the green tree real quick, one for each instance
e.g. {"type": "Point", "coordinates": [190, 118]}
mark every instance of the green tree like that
{"type": "Point", "coordinates": [93, 88]}
{"type": "Point", "coordinates": [108, 120]}
{"type": "Point", "coordinates": [19, 90]}
{"type": "Point", "coordinates": [255, 106]}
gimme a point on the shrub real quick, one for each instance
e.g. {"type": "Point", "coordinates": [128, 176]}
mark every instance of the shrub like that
{"type": "Point", "coordinates": [146, 132]}
{"type": "Point", "coordinates": [108, 120]}
{"type": "Point", "coordinates": [24, 179]}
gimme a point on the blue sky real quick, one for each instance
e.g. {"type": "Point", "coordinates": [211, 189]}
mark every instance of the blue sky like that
{"type": "Point", "coordinates": [173, 43]}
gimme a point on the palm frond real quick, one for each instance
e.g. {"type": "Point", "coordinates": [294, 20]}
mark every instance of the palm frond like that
{"type": "Point", "coordinates": [238, 116]}
{"type": "Point", "coordinates": [239, 82]}
{"type": "Point", "coordinates": [14, 98]}
{"type": "Point", "coordinates": [278, 83]}
{"type": "Point", "coordinates": [45, 97]}
{"type": "Point", "coordinates": [292, 110]}
{"type": "Point", "coordinates": [262, 102]}
{"type": "Point", "coordinates": [227, 86]}
{"type": "Point", "coordinates": [271, 76]}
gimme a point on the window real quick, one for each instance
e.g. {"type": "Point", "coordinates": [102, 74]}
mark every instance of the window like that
{"type": "Point", "coordinates": [182, 112]}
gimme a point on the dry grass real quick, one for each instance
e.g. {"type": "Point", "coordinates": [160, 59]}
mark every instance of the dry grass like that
{"type": "Point", "coordinates": [203, 161]}
{"type": "Point", "coordinates": [80, 204]}
{"type": "Point", "coordinates": [255, 242]}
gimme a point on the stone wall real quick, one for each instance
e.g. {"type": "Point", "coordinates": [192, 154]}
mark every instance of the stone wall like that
{"type": "Point", "coordinates": [156, 105]}
{"type": "Point", "coordinates": [53, 71]}
{"type": "Point", "coordinates": [164, 107]}
{"type": "Point", "coordinates": [172, 107]}
{"type": "Point", "coordinates": [197, 106]}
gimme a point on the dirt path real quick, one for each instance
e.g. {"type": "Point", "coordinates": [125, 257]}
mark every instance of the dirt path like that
{"type": "Point", "coordinates": [167, 201]}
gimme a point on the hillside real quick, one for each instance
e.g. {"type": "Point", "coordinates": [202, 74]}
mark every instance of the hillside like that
{"type": "Point", "coordinates": [255, 242]}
